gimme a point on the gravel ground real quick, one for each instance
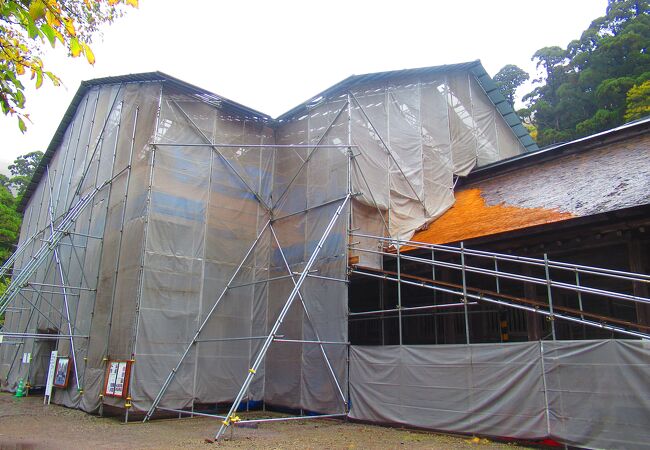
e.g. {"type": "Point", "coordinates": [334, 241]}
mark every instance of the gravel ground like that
{"type": "Point", "coordinates": [26, 423]}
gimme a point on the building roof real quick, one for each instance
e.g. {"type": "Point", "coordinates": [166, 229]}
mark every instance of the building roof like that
{"type": "Point", "coordinates": [471, 217]}
{"type": "Point", "coordinates": [607, 137]}
{"type": "Point", "coordinates": [598, 173]}
{"type": "Point", "coordinates": [68, 116]}
{"type": "Point", "coordinates": [475, 67]}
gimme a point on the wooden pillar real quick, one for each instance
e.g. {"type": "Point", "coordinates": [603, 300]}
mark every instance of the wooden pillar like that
{"type": "Point", "coordinates": [448, 319]}
{"type": "Point", "coordinates": [533, 320]}
{"type": "Point", "coordinates": [638, 258]}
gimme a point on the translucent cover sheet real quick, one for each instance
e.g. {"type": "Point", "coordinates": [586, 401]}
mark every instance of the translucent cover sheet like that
{"type": "Point", "coordinates": [160, 253]}
{"type": "Point", "coordinates": [413, 136]}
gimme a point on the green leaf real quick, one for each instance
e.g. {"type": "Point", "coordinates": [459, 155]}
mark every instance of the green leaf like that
{"type": "Point", "coordinates": [32, 29]}
{"type": "Point", "coordinates": [48, 31]}
{"type": "Point", "coordinates": [55, 80]}
{"type": "Point", "coordinates": [36, 9]}
{"type": "Point", "coordinates": [21, 125]}
{"type": "Point", "coordinates": [39, 78]}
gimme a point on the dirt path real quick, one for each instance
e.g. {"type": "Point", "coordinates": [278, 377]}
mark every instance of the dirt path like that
{"type": "Point", "coordinates": [26, 423]}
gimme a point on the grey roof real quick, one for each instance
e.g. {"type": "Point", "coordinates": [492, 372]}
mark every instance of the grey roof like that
{"type": "Point", "coordinates": [598, 140]}
{"type": "Point", "coordinates": [474, 67]}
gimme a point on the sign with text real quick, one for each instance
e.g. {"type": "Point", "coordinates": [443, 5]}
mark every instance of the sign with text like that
{"type": "Point", "coordinates": [117, 378]}
{"type": "Point", "coordinates": [50, 378]}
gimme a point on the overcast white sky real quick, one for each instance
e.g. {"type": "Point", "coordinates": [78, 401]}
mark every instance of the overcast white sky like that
{"type": "Point", "coordinates": [273, 55]}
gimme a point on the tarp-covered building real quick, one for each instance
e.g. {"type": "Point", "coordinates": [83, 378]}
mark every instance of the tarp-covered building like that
{"type": "Point", "coordinates": [208, 247]}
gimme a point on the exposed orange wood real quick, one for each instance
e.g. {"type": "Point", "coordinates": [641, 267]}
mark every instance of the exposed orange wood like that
{"type": "Point", "coordinates": [471, 217]}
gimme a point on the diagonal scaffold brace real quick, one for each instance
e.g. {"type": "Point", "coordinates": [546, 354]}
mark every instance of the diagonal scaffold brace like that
{"type": "Point", "coordinates": [61, 230]}
{"type": "Point", "coordinates": [278, 322]}
{"type": "Point", "coordinates": [173, 372]}
{"type": "Point", "coordinates": [312, 324]}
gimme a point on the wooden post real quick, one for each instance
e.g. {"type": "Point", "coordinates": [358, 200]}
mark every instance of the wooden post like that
{"type": "Point", "coordinates": [638, 259]}
{"type": "Point", "coordinates": [533, 320]}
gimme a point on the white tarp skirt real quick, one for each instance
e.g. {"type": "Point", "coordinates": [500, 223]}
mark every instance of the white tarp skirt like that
{"type": "Point", "coordinates": [588, 393]}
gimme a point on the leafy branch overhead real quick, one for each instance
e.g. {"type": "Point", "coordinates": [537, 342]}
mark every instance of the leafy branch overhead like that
{"type": "Point", "coordinates": [28, 25]}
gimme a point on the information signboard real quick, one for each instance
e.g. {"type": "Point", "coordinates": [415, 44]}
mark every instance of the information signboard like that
{"type": "Point", "coordinates": [50, 378]}
{"type": "Point", "coordinates": [117, 379]}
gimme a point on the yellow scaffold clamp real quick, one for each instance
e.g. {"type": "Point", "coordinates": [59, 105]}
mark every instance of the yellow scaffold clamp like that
{"type": "Point", "coordinates": [233, 419]}
{"type": "Point", "coordinates": [252, 371]}
{"type": "Point", "coordinates": [127, 404]}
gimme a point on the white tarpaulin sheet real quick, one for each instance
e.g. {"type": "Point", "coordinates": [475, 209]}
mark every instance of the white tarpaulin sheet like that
{"type": "Point", "coordinates": [158, 245]}
{"type": "Point", "coordinates": [588, 393]}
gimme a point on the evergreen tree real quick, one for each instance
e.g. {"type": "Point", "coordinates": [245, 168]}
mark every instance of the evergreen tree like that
{"type": "Point", "coordinates": [586, 87]}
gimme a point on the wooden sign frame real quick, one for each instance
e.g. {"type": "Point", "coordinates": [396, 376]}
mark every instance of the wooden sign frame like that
{"type": "Point", "coordinates": [116, 379]}
{"type": "Point", "coordinates": [62, 372]}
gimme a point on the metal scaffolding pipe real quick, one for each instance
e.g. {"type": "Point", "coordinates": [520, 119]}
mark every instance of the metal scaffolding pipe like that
{"type": "Point", "coordinates": [43, 335]}
{"type": "Point", "coordinates": [79, 288]}
{"type": "Point", "coordinates": [303, 341]}
{"type": "Point", "coordinates": [281, 419]}
{"type": "Point", "coordinates": [243, 338]}
{"type": "Point", "coordinates": [517, 277]}
{"type": "Point", "coordinates": [630, 276]}
{"type": "Point", "coordinates": [481, 297]}
{"type": "Point", "coordinates": [411, 308]}
{"type": "Point", "coordinates": [191, 413]}
{"type": "Point", "coordinates": [289, 146]}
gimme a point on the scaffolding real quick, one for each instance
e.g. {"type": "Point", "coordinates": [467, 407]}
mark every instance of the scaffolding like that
{"type": "Point", "coordinates": [489, 265]}
{"type": "Point", "coordinates": [61, 233]}
{"type": "Point", "coordinates": [297, 278]}
{"type": "Point", "coordinates": [55, 271]}
{"type": "Point", "coordinates": [217, 255]}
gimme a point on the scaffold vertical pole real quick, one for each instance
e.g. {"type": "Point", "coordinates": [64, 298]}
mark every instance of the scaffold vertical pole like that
{"type": "Point", "coordinates": [278, 322]}
{"type": "Point", "coordinates": [464, 275]}
{"type": "Point", "coordinates": [549, 289]}
{"type": "Point", "coordinates": [399, 291]}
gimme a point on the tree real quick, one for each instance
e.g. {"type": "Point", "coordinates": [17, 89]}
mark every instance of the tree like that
{"type": "Point", "coordinates": [638, 101]}
{"type": "Point", "coordinates": [22, 171]}
{"type": "Point", "coordinates": [584, 89]}
{"type": "Point", "coordinates": [9, 223]}
{"type": "Point", "coordinates": [508, 79]}
{"type": "Point", "coordinates": [26, 25]}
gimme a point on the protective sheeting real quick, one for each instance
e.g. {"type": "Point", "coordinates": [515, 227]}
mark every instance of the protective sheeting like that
{"type": "Point", "coordinates": [198, 185]}
{"type": "Point", "coordinates": [298, 374]}
{"type": "Point", "coordinates": [95, 148]}
{"type": "Point", "coordinates": [412, 137]}
{"type": "Point", "coordinates": [203, 217]}
{"type": "Point", "coordinates": [207, 205]}
{"type": "Point", "coordinates": [587, 393]}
